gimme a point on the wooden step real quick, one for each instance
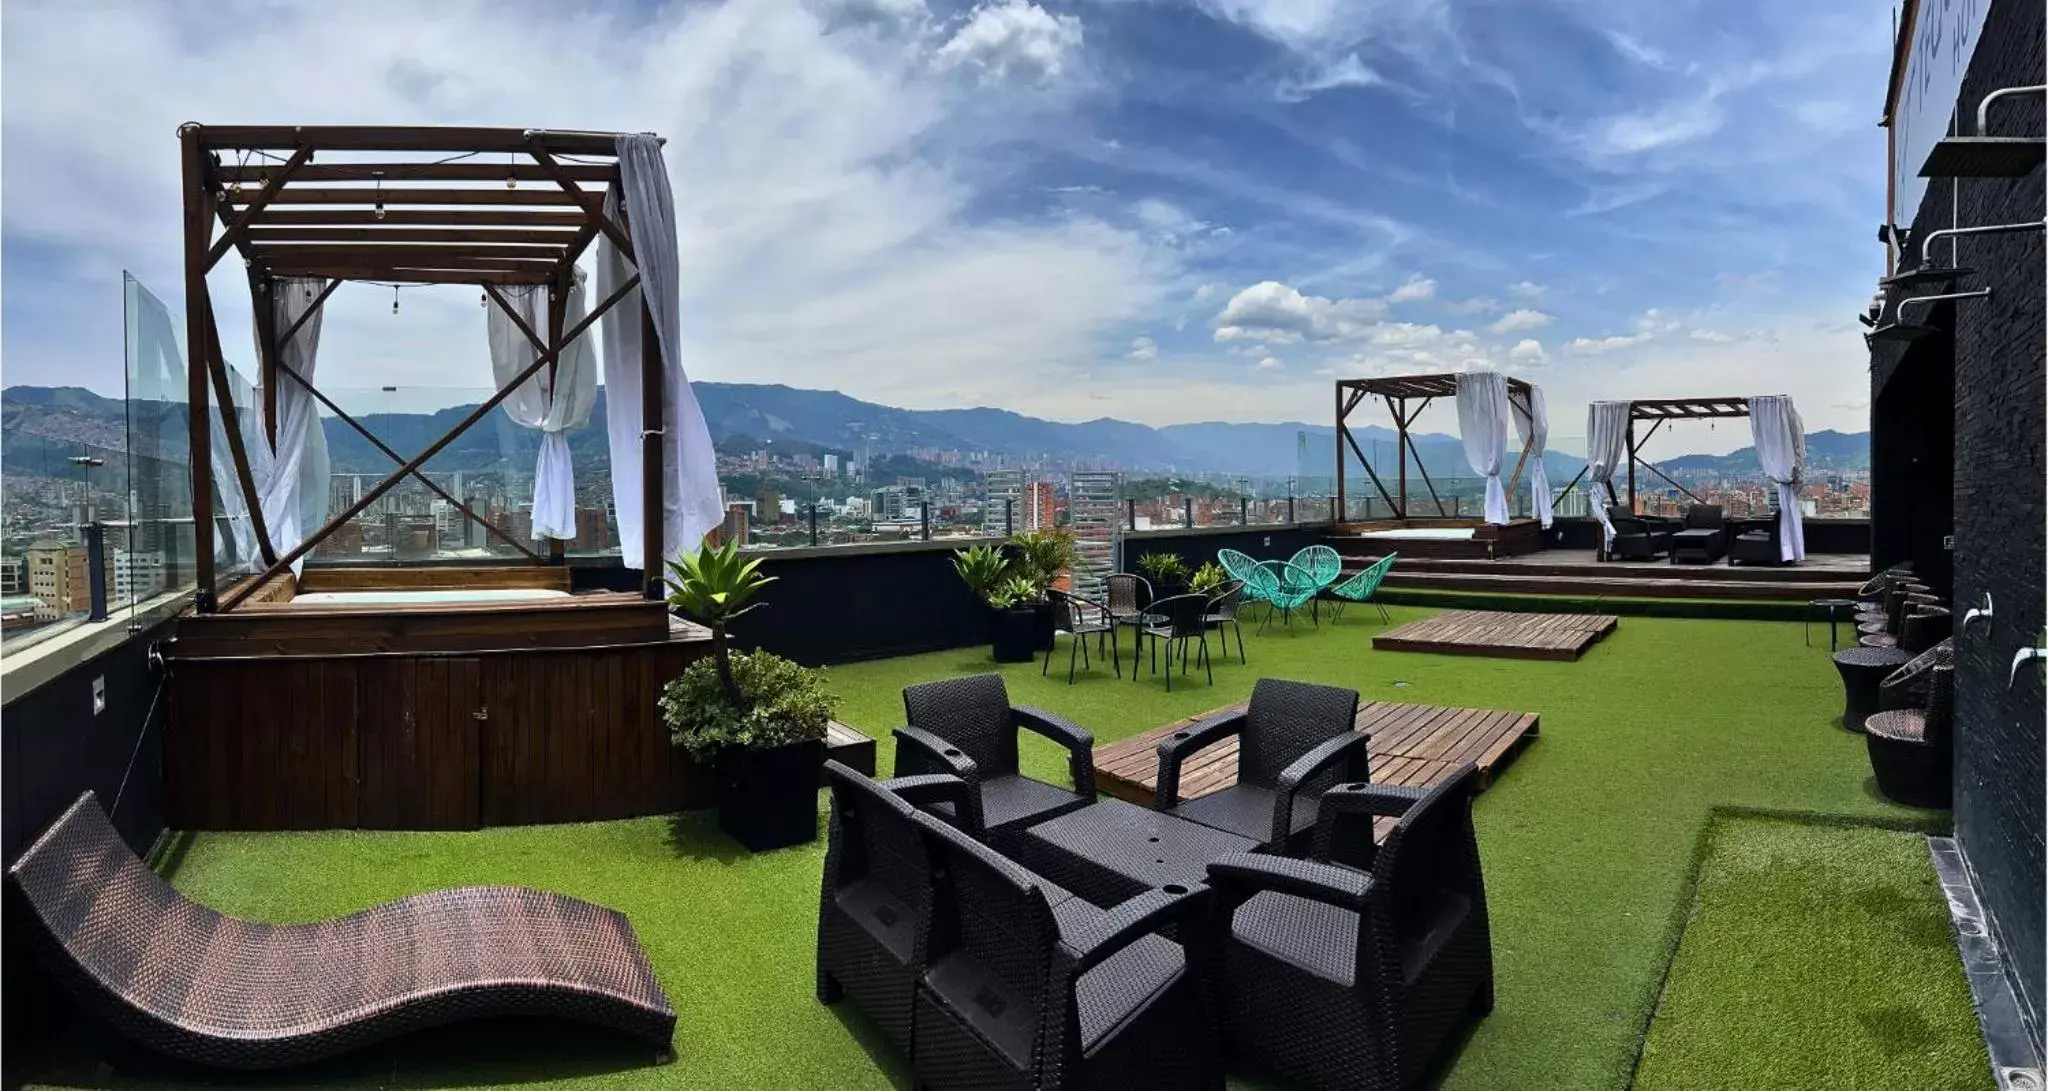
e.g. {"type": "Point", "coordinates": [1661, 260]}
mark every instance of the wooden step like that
{"type": "Point", "coordinates": [1622, 570]}
{"type": "Point", "coordinates": [1592, 586]}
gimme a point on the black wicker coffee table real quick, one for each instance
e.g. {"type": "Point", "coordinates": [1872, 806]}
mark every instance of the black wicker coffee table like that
{"type": "Point", "coordinates": [1110, 851]}
{"type": "Point", "coordinates": [1862, 669]}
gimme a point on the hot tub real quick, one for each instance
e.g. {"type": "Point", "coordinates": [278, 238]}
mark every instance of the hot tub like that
{"type": "Point", "coordinates": [1433, 534]}
{"type": "Point", "coordinates": [451, 596]}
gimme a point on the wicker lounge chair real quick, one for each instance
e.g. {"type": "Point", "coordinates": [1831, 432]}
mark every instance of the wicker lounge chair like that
{"type": "Point", "coordinates": [1636, 538]}
{"type": "Point", "coordinates": [211, 989]}
{"type": "Point", "coordinates": [1031, 987]}
{"type": "Point", "coordinates": [967, 727]}
{"type": "Point", "coordinates": [1909, 741]}
{"type": "Point", "coordinates": [875, 901]}
{"type": "Point", "coordinates": [1757, 545]}
{"type": "Point", "coordinates": [1362, 587]}
{"type": "Point", "coordinates": [1356, 969]}
{"type": "Point", "coordinates": [1294, 740]}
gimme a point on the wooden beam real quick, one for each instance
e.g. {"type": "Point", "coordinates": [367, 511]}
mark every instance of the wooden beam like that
{"type": "Point", "coordinates": [275, 235]}
{"type": "Point", "coordinates": [256, 205]}
{"type": "Point", "coordinates": [593, 205]}
{"type": "Point", "coordinates": [231, 428]}
{"type": "Point", "coordinates": [438, 217]}
{"type": "Point", "coordinates": [1343, 431]}
{"type": "Point", "coordinates": [1377, 483]}
{"type": "Point", "coordinates": [412, 195]}
{"type": "Point", "coordinates": [1400, 446]}
{"type": "Point", "coordinates": [263, 317]}
{"type": "Point", "coordinates": [406, 275]}
{"type": "Point", "coordinates": [433, 449]}
{"type": "Point", "coordinates": [422, 256]}
{"type": "Point", "coordinates": [652, 497]}
{"type": "Point", "coordinates": [405, 138]}
{"type": "Point", "coordinates": [199, 210]}
{"type": "Point", "coordinates": [319, 301]}
{"type": "Point", "coordinates": [504, 304]}
{"type": "Point", "coordinates": [417, 172]}
{"type": "Point", "coordinates": [400, 459]}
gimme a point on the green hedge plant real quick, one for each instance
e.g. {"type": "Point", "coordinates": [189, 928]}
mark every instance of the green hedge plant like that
{"type": "Point", "coordinates": [779, 703]}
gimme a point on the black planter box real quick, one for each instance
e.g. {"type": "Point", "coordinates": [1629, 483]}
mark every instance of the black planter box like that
{"type": "Point", "coordinates": [768, 798]}
{"type": "Point", "coordinates": [1015, 635]}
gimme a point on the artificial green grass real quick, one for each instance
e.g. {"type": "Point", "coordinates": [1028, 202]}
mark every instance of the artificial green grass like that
{"type": "Point", "coordinates": [1587, 842]}
{"type": "Point", "coordinates": [1817, 956]}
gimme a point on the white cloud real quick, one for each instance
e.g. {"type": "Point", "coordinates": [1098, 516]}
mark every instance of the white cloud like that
{"type": "Point", "coordinates": [1527, 290]}
{"type": "Point", "coordinates": [1346, 71]}
{"type": "Point", "coordinates": [823, 188]}
{"type": "Point", "coordinates": [1417, 289]}
{"type": "Point", "coordinates": [1270, 363]}
{"type": "Point", "coordinates": [1012, 38]}
{"type": "Point", "coordinates": [1473, 306]}
{"type": "Point", "coordinates": [1528, 349]}
{"type": "Point", "coordinates": [1272, 311]}
{"type": "Point", "coordinates": [1712, 337]}
{"type": "Point", "coordinates": [1593, 346]}
{"type": "Point", "coordinates": [1521, 319]}
{"type": "Point", "coordinates": [1144, 348]}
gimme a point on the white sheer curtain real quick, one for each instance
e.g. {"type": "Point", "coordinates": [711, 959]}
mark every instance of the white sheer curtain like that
{"type": "Point", "coordinates": [1483, 426]}
{"type": "Point", "coordinates": [1532, 430]}
{"type": "Point", "coordinates": [1606, 448]}
{"type": "Point", "coordinates": [553, 404]}
{"type": "Point", "coordinates": [291, 477]}
{"type": "Point", "coordinates": [1781, 447]}
{"type": "Point", "coordinates": [691, 503]}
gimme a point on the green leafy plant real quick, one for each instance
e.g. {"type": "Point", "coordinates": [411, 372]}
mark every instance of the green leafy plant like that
{"type": "Point", "coordinates": [1208, 578]}
{"type": "Point", "coordinates": [715, 586]}
{"type": "Point", "coordinates": [779, 702]}
{"type": "Point", "coordinates": [1012, 592]}
{"type": "Point", "coordinates": [1041, 555]}
{"type": "Point", "coordinates": [1167, 568]}
{"type": "Point", "coordinates": [984, 568]}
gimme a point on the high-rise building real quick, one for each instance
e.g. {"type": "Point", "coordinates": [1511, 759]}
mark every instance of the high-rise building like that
{"type": "Point", "coordinates": [831, 465]}
{"type": "Point", "coordinates": [1095, 500]}
{"type": "Point", "coordinates": [13, 576]}
{"type": "Point", "coordinates": [1003, 510]}
{"type": "Point", "coordinates": [137, 575]}
{"type": "Point", "coordinates": [1037, 513]}
{"type": "Point", "coordinates": [735, 529]}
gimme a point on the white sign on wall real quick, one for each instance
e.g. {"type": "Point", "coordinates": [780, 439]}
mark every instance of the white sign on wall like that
{"type": "Point", "coordinates": [1945, 34]}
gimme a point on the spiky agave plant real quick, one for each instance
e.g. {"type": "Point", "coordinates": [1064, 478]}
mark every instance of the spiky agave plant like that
{"type": "Point", "coordinates": [714, 586]}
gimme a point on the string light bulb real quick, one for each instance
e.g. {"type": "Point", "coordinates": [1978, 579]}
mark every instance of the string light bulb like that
{"type": "Point", "coordinates": [394, 299]}
{"type": "Point", "coordinates": [511, 173]}
{"type": "Point", "coordinates": [379, 211]}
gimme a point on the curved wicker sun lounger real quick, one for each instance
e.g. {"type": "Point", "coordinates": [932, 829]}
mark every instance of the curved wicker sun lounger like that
{"type": "Point", "coordinates": [218, 991]}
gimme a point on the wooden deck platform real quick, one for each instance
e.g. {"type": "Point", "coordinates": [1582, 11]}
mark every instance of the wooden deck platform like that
{"type": "Point", "coordinates": [1412, 745]}
{"type": "Point", "coordinates": [1574, 573]}
{"type": "Point", "coordinates": [1506, 636]}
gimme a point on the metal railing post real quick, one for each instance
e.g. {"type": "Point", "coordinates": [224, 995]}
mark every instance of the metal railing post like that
{"type": "Point", "coordinates": [1131, 513]}
{"type": "Point", "coordinates": [1333, 510]}
{"type": "Point", "coordinates": [1009, 516]}
{"type": "Point", "coordinates": [814, 522]}
{"type": "Point", "coordinates": [1244, 511]}
{"type": "Point", "coordinates": [96, 570]}
{"type": "Point", "coordinates": [924, 510]}
{"type": "Point", "coordinates": [1187, 507]}
{"type": "Point", "coordinates": [1290, 505]}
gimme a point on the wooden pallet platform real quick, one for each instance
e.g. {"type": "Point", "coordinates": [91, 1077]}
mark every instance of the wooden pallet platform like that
{"type": "Point", "coordinates": [1412, 745]}
{"type": "Point", "coordinates": [1501, 635]}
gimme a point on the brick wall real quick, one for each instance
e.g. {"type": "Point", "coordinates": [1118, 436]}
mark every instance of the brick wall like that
{"type": "Point", "coordinates": [1999, 505]}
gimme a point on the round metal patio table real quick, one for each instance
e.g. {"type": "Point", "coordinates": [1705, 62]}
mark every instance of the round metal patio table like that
{"type": "Point", "coordinates": [1829, 608]}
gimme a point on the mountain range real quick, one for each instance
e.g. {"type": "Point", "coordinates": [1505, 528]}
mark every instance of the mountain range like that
{"type": "Point", "coordinates": [40, 427]}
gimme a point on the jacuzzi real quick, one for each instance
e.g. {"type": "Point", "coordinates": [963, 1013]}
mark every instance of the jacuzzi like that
{"type": "Point", "coordinates": [1434, 534]}
{"type": "Point", "coordinates": [452, 596]}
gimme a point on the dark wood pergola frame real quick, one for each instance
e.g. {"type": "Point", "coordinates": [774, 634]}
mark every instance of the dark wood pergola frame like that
{"type": "Point", "coordinates": [404, 222]}
{"type": "Point", "coordinates": [1657, 411]}
{"type": "Point", "coordinates": [1397, 392]}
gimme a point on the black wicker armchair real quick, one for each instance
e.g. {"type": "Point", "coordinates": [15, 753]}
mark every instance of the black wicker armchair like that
{"type": "Point", "coordinates": [1030, 987]}
{"type": "Point", "coordinates": [968, 728]}
{"type": "Point", "coordinates": [1294, 740]}
{"type": "Point", "coordinates": [875, 902]}
{"type": "Point", "coordinates": [1704, 537]}
{"type": "Point", "coordinates": [1636, 538]}
{"type": "Point", "coordinates": [1757, 545]}
{"type": "Point", "coordinates": [1909, 740]}
{"type": "Point", "coordinates": [1356, 969]}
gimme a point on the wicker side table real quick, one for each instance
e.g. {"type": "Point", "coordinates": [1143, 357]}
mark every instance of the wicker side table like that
{"type": "Point", "coordinates": [1862, 669]}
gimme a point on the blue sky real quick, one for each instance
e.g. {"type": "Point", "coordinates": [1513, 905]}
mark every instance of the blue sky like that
{"type": "Point", "coordinates": [1161, 211]}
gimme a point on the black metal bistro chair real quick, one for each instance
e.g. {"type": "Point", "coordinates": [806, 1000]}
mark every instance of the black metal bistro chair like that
{"type": "Point", "coordinates": [1294, 739]}
{"type": "Point", "coordinates": [1221, 615]}
{"type": "Point", "coordinates": [1079, 619]}
{"type": "Point", "coordinates": [1031, 987]}
{"type": "Point", "coordinates": [968, 728]}
{"type": "Point", "coordinates": [1182, 623]}
{"type": "Point", "coordinates": [1355, 970]}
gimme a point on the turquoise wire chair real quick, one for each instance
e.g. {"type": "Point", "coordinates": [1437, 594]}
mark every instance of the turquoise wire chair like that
{"type": "Point", "coordinates": [1323, 566]}
{"type": "Point", "coordinates": [1243, 567]}
{"type": "Point", "coordinates": [1360, 588]}
{"type": "Point", "coordinates": [1288, 587]}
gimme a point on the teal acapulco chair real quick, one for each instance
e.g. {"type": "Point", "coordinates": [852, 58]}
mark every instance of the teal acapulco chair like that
{"type": "Point", "coordinates": [1286, 587]}
{"type": "Point", "coordinates": [1361, 587]}
{"type": "Point", "coordinates": [1323, 566]}
{"type": "Point", "coordinates": [1243, 568]}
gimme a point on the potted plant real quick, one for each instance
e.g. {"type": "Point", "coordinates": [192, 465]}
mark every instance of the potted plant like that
{"type": "Point", "coordinates": [1167, 572]}
{"type": "Point", "coordinates": [756, 718]}
{"type": "Point", "coordinates": [996, 578]}
{"type": "Point", "coordinates": [1042, 557]}
{"type": "Point", "coordinates": [1208, 578]}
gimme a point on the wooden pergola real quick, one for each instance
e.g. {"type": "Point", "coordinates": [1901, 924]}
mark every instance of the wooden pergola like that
{"type": "Point", "coordinates": [1657, 411]}
{"type": "Point", "coordinates": [393, 205]}
{"type": "Point", "coordinates": [1398, 392]}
